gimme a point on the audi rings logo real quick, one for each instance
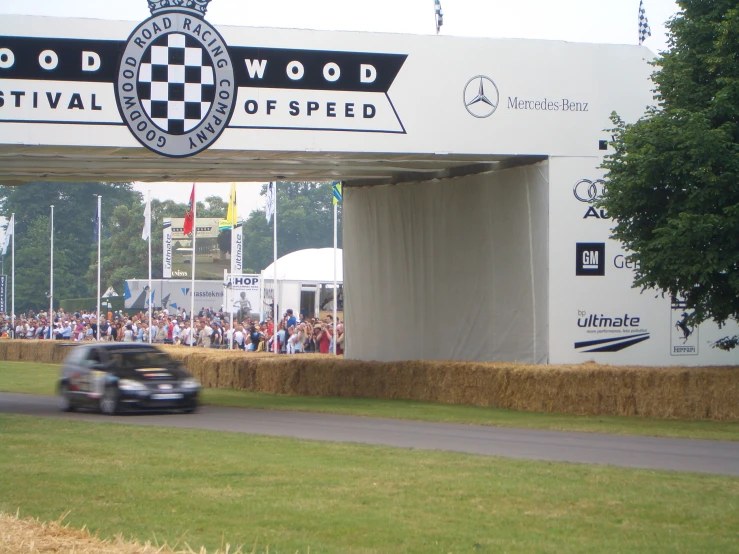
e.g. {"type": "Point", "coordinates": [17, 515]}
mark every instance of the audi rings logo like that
{"type": "Point", "coordinates": [589, 191]}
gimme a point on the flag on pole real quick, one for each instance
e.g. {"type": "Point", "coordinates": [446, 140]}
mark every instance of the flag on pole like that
{"type": "Point", "coordinates": [9, 232]}
{"type": "Point", "coordinates": [644, 29]}
{"type": "Point", "coordinates": [269, 206]}
{"type": "Point", "coordinates": [232, 215]}
{"type": "Point", "coordinates": [146, 233]}
{"type": "Point", "coordinates": [95, 236]}
{"type": "Point", "coordinates": [338, 192]}
{"type": "Point", "coordinates": [190, 214]}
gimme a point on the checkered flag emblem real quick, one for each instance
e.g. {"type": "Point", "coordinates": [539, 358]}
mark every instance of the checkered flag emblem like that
{"type": "Point", "coordinates": [176, 83]}
{"type": "Point", "coordinates": [644, 29]}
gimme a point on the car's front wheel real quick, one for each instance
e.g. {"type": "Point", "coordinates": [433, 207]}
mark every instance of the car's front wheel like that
{"type": "Point", "coordinates": [65, 401]}
{"type": "Point", "coordinates": [109, 401]}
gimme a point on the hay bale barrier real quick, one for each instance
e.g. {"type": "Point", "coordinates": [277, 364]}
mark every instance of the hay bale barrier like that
{"type": "Point", "coordinates": [588, 389]}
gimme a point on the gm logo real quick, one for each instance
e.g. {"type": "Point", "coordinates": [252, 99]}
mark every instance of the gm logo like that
{"type": "Point", "coordinates": [590, 259]}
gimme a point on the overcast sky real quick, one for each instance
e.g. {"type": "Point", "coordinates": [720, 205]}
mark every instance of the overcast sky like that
{"type": "Point", "coordinates": [604, 21]}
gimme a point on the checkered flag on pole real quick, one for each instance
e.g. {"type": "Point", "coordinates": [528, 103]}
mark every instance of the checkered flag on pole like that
{"type": "Point", "coordinates": [644, 29]}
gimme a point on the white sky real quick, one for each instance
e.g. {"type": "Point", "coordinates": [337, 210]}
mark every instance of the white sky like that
{"type": "Point", "coordinates": [599, 21]}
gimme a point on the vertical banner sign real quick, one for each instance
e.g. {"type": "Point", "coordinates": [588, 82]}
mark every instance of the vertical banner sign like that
{"type": "Point", "coordinates": [3, 294]}
{"type": "Point", "coordinates": [167, 246]}
{"type": "Point", "coordinates": [245, 295]}
{"type": "Point", "coordinates": [237, 249]}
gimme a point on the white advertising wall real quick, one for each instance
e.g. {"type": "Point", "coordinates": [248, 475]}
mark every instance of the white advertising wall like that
{"type": "Point", "coordinates": [315, 91]}
{"type": "Point", "coordinates": [595, 314]}
{"type": "Point", "coordinates": [449, 270]}
{"type": "Point", "coordinates": [173, 294]}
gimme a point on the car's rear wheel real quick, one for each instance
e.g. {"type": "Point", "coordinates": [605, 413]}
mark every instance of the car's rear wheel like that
{"type": "Point", "coordinates": [109, 404]}
{"type": "Point", "coordinates": [65, 400]}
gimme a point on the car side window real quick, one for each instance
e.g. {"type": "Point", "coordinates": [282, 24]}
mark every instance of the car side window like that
{"type": "Point", "coordinates": [93, 357]}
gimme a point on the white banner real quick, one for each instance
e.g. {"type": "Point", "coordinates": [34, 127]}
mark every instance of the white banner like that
{"type": "Point", "coordinates": [167, 246]}
{"type": "Point", "coordinates": [237, 250]}
{"type": "Point", "coordinates": [595, 313]}
{"type": "Point", "coordinates": [244, 295]}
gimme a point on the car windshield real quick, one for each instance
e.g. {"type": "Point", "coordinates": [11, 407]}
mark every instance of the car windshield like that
{"type": "Point", "coordinates": [139, 359]}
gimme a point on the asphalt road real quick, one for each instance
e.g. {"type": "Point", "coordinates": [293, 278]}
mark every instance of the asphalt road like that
{"type": "Point", "coordinates": [634, 452]}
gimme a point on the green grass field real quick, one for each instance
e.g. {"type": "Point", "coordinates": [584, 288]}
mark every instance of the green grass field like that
{"type": "Point", "coordinates": [41, 378]}
{"type": "Point", "coordinates": [208, 488]}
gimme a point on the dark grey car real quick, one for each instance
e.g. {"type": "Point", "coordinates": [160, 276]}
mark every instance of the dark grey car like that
{"type": "Point", "coordinates": [116, 378]}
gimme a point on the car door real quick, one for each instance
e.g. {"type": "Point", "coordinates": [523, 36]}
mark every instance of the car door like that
{"type": "Point", "coordinates": [92, 374]}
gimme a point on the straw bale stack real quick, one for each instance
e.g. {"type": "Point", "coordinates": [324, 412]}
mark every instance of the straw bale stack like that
{"type": "Point", "coordinates": [40, 351]}
{"type": "Point", "coordinates": [33, 537]}
{"type": "Point", "coordinates": [587, 389]}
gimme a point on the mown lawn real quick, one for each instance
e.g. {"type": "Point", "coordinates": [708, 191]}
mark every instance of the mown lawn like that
{"type": "Point", "coordinates": [31, 378]}
{"type": "Point", "coordinates": [209, 487]}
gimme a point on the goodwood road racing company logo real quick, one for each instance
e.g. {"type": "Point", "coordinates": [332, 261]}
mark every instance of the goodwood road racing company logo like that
{"type": "Point", "coordinates": [175, 85]}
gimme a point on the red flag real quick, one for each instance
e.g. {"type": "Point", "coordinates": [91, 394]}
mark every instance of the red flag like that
{"type": "Point", "coordinates": [190, 214]}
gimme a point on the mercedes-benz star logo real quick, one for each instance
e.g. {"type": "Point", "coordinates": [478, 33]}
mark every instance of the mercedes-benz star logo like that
{"type": "Point", "coordinates": [481, 96]}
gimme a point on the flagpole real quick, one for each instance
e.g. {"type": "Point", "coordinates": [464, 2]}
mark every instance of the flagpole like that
{"type": "Point", "coordinates": [275, 296]}
{"type": "Point", "coordinates": [336, 245]}
{"type": "Point", "coordinates": [51, 277]}
{"type": "Point", "coordinates": [194, 253]}
{"type": "Point", "coordinates": [151, 292]}
{"type": "Point", "coordinates": [100, 241]}
{"type": "Point", "coordinates": [12, 273]}
{"type": "Point", "coordinates": [228, 297]}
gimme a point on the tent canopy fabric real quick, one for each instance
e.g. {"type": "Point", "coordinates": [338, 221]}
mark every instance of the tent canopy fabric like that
{"type": "Point", "coordinates": [455, 269]}
{"type": "Point", "coordinates": [314, 265]}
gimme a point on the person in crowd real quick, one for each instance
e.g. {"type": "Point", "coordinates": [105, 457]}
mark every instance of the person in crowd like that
{"type": "Point", "coordinates": [216, 337]}
{"type": "Point", "coordinates": [238, 338]}
{"type": "Point", "coordinates": [185, 334]}
{"type": "Point", "coordinates": [309, 344]}
{"type": "Point", "coordinates": [176, 331]}
{"type": "Point", "coordinates": [204, 335]}
{"type": "Point", "coordinates": [340, 339]}
{"type": "Point", "coordinates": [255, 337]}
{"type": "Point", "coordinates": [127, 335]}
{"type": "Point", "coordinates": [280, 337]}
{"type": "Point", "coordinates": [161, 333]}
{"type": "Point", "coordinates": [323, 339]}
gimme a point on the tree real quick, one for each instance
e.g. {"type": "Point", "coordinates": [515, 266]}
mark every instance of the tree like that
{"type": "Point", "coordinates": [305, 220]}
{"type": "Point", "coordinates": [673, 181]}
{"type": "Point", "coordinates": [74, 212]}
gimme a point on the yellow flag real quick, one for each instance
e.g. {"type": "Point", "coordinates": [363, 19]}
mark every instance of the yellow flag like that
{"type": "Point", "coordinates": [232, 217]}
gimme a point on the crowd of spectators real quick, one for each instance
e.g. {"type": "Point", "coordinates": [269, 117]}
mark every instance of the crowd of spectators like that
{"type": "Point", "coordinates": [210, 329]}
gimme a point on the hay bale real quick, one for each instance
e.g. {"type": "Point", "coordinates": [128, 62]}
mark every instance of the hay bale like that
{"type": "Point", "coordinates": [586, 389]}
{"type": "Point", "coordinates": [34, 537]}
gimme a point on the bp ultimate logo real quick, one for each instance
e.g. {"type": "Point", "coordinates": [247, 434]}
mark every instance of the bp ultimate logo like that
{"type": "Point", "coordinates": [607, 333]}
{"type": "Point", "coordinates": [175, 85]}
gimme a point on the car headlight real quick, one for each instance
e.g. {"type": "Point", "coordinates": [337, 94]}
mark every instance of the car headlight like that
{"type": "Point", "coordinates": [131, 386]}
{"type": "Point", "coordinates": [190, 384]}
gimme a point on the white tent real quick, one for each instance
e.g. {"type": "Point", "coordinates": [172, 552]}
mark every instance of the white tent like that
{"type": "Point", "coordinates": [314, 265]}
{"type": "Point", "coordinates": [305, 281]}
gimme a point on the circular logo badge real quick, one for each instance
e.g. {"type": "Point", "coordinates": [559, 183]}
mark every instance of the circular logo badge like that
{"type": "Point", "coordinates": [481, 96]}
{"type": "Point", "coordinates": [588, 191]}
{"type": "Point", "coordinates": [175, 85]}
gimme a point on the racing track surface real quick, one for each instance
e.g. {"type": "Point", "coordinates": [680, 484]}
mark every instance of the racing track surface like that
{"type": "Point", "coordinates": [625, 451]}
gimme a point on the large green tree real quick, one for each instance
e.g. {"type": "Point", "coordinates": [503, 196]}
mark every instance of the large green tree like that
{"type": "Point", "coordinates": [74, 213]}
{"type": "Point", "coordinates": [305, 220]}
{"type": "Point", "coordinates": [673, 181]}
